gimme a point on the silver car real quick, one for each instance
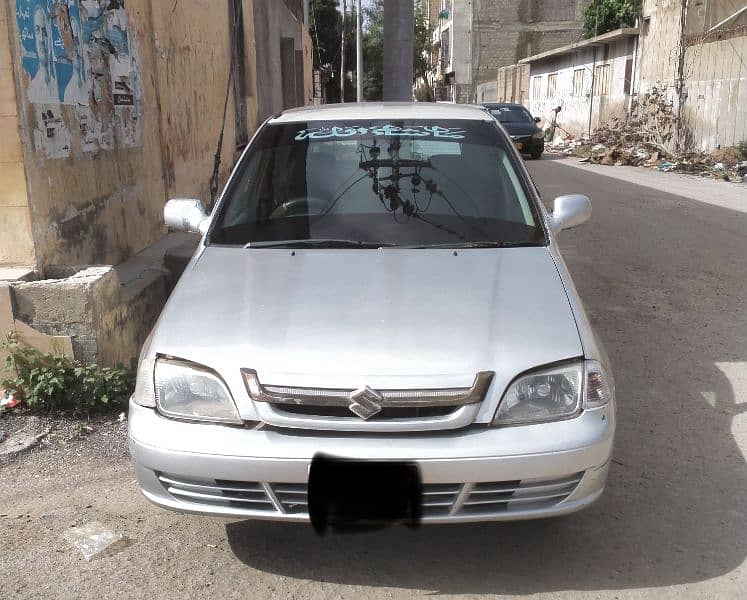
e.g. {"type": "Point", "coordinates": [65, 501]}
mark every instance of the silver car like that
{"type": "Point", "coordinates": [376, 283]}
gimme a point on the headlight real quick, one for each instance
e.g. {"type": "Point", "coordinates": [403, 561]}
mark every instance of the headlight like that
{"type": "Point", "coordinates": [540, 135]}
{"type": "Point", "coordinates": [554, 394]}
{"type": "Point", "coordinates": [185, 390]}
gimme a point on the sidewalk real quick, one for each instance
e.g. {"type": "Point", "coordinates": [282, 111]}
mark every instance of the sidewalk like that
{"type": "Point", "coordinates": [710, 191]}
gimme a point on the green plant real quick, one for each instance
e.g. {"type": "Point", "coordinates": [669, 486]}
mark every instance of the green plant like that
{"type": "Point", "coordinates": [742, 147]}
{"type": "Point", "coordinates": [48, 382]}
{"type": "Point", "coordinates": [603, 16]}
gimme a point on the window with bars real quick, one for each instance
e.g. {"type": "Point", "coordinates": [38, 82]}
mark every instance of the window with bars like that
{"type": "Point", "coordinates": [602, 81]}
{"type": "Point", "coordinates": [579, 76]}
{"type": "Point", "coordinates": [552, 85]}
{"type": "Point", "coordinates": [537, 87]}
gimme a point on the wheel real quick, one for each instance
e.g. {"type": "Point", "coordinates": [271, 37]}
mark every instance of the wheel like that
{"type": "Point", "coordinates": [537, 153]}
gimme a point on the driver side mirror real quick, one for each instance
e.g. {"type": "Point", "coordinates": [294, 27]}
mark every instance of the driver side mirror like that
{"type": "Point", "coordinates": [570, 211]}
{"type": "Point", "coordinates": [537, 119]}
{"type": "Point", "coordinates": [186, 215]}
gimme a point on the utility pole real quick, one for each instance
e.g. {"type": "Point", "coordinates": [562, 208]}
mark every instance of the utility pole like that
{"type": "Point", "coordinates": [399, 25]}
{"type": "Point", "coordinates": [342, 51]}
{"type": "Point", "coordinates": [359, 53]}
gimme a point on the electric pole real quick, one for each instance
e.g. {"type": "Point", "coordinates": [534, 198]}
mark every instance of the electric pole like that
{"type": "Point", "coordinates": [399, 25]}
{"type": "Point", "coordinates": [359, 53]}
{"type": "Point", "coordinates": [342, 51]}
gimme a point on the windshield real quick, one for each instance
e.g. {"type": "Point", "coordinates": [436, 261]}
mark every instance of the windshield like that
{"type": "Point", "coordinates": [512, 114]}
{"type": "Point", "coordinates": [378, 183]}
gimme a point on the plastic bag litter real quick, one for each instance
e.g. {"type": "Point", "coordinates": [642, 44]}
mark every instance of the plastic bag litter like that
{"type": "Point", "coordinates": [95, 540]}
{"type": "Point", "coordinates": [8, 399]}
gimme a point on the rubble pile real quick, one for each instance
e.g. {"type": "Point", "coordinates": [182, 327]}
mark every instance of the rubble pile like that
{"type": "Point", "coordinates": [647, 139]}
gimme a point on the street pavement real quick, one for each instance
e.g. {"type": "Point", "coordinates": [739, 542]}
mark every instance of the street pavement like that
{"type": "Point", "coordinates": [663, 279]}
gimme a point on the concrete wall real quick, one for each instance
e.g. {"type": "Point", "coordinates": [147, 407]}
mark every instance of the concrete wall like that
{"type": "Point", "coordinates": [16, 243]}
{"type": "Point", "coordinates": [513, 84]}
{"type": "Point", "coordinates": [579, 108]}
{"type": "Point", "coordinates": [120, 110]}
{"type": "Point", "coordinates": [505, 31]}
{"type": "Point", "coordinates": [104, 115]}
{"type": "Point", "coordinates": [273, 22]}
{"type": "Point", "coordinates": [715, 110]}
{"type": "Point", "coordinates": [714, 103]}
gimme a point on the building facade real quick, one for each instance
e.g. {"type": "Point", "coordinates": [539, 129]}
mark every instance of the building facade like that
{"type": "Point", "coordinates": [110, 108]}
{"type": "Point", "coordinates": [477, 37]}
{"type": "Point", "coordinates": [590, 81]}
{"type": "Point", "coordinates": [680, 76]}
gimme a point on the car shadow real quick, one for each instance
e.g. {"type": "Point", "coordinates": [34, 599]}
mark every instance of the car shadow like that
{"type": "Point", "coordinates": [662, 280]}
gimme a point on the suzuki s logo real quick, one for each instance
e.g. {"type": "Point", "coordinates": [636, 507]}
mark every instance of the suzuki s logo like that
{"type": "Point", "coordinates": [365, 402]}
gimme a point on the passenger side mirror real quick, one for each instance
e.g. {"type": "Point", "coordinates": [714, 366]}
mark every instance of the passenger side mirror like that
{"type": "Point", "coordinates": [570, 211]}
{"type": "Point", "coordinates": [186, 215]}
{"type": "Point", "coordinates": [537, 119]}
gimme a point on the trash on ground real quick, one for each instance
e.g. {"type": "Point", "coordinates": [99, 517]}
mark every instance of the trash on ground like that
{"type": "Point", "coordinates": [122, 417]}
{"type": "Point", "coordinates": [8, 399]}
{"type": "Point", "coordinates": [95, 540]}
{"type": "Point", "coordinates": [647, 138]}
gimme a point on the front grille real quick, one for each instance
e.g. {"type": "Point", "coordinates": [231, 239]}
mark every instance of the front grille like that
{"type": "Point", "coordinates": [439, 500]}
{"type": "Point", "coordinates": [293, 497]}
{"type": "Point", "coordinates": [343, 412]}
{"type": "Point", "coordinates": [219, 492]}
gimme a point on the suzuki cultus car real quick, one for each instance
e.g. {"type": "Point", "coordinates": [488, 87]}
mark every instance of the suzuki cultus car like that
{"type": "Point", "coordinates": [379, 284]}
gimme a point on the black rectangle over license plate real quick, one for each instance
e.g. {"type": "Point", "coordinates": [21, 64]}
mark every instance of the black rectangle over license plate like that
{"type": "Point", "coordinates": [346, 494]}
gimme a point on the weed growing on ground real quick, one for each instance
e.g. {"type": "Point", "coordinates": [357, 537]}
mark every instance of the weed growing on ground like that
{"type": "Point", "coordinates": [47, 382]}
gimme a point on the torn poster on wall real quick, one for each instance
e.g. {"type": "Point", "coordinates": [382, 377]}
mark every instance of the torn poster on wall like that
{"type": "Point", "coordinates": [81, 54]}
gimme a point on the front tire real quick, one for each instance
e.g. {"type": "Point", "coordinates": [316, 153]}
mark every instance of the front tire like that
{"type": "Point", "coordinates": [536, 154]}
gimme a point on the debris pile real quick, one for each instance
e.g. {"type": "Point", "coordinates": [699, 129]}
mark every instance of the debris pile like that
{"type": "Point", "coordinates": [647, 139]}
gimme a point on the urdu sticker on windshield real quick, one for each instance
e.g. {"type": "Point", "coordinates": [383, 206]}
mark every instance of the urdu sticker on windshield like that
{"type": "Point", "coordinates": [419, 131]}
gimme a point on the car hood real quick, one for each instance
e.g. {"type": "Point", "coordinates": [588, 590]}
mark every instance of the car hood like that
{"type": "Point", "coordinates": [521, 128]}
{"type": "Point", "coordinates": [392, 318]}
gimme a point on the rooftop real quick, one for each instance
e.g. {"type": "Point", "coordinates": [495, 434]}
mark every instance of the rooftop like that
{"type": "Point", "coordinates": [383, 110]}
{"type": "Point", "coordinates": [600, 40]}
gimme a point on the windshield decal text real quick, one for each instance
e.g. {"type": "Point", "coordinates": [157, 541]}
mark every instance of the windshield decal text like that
{"type": "Point", "coordinates": [419, 131]}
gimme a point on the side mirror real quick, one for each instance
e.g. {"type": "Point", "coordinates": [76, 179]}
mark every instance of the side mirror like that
{"type": "Point", "coordinates": [186, 215]}
{"type": "Point", "coordinates": [537, 119]}
{"type": "Point", "coordinates": [570, 211]}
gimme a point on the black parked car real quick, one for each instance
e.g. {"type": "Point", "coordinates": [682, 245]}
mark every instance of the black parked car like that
{"type": "Point", "coordinates": [521, 126]}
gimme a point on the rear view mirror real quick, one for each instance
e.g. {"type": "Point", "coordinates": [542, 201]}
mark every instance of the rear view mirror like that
{"type": "Point", "coordinates": [570, 211]}
{"type": "Point", "coordinates": [186, 215]}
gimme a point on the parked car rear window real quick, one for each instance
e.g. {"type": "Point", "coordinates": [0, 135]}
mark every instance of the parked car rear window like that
{"type": "Point", "coordinates": [512, 114]}
{"type": "Point", "coordinates": [396, 183]}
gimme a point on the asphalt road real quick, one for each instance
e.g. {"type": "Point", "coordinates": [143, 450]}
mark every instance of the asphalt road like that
{"type": "Point", "coordinates": [663, 278]}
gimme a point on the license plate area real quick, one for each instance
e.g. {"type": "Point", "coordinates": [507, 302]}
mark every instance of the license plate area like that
{"type": "Point", "coordinates": [519, 145]}
{"type": "Point", "coordinates": [353, 495]}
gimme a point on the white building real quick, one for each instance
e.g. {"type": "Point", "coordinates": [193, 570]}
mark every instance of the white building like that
{"type": "Point", "coordinates": [591, 81]}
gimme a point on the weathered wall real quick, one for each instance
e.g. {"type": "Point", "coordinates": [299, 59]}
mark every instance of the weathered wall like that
{"type": "Point", "coordinates": [16, 243]}
{"type": "Point", "coordinates": [120, 108]}
{"type": "Point", "coordinates": [505, 31]}
{"type": "Point", "coordinates": [274, 26]}
{"type": "Point", "coordinates": [715, 110]}
{"type": "Point", "coordinates": [90, 129]}
{"type": "Point", "coordinates": [192, 50]}
{"type": "Point", "coordinates": [580, 105]}
{"type": "Point", "coordinates": [714, 102]}
{"type": "Point", "coordinates": [513, 84]}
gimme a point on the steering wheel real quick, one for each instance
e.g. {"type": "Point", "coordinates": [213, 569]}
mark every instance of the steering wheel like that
{"type": "Point", "coordinates": [298, 207]}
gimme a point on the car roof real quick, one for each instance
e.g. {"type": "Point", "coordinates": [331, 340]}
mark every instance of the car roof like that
{"type": "Point", "coordinates": [503, 104]}
{"type": "Point", "coordinates": [383, 110]}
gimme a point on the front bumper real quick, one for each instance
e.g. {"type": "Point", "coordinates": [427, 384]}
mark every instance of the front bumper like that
{"type": "Point", "coordinates": [474, 474]}
{"type": "Point", "coordinates": [527, 145]}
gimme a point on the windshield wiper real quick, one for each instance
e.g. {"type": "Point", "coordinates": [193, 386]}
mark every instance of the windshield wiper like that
{"type": "Point", "coordinates": [316, 243]}
{"type": "Point", "coordinates": [459, 245]}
